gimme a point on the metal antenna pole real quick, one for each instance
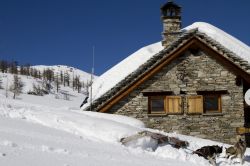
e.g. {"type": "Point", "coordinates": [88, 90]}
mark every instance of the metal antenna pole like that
{"type": "Point", "coordinates": [7, 85]}
{"type": "Point", "coordinates": [92, 75]}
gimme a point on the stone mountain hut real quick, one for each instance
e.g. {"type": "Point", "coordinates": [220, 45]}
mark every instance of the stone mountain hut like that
{"type": "Point", "coordinates": [192, 83]}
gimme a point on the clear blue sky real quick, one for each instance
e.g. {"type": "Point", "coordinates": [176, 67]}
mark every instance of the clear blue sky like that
{"type": "Point", "coordinates": [52, 32]}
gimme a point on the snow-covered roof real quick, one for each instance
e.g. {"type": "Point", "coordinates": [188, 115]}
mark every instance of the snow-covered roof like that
{"type": "Point", "coordinates": [114, 75]}
{"type": "Point", "coordinates": [119, 72]}
{"type": "Point", "coordinates": [228, 41]}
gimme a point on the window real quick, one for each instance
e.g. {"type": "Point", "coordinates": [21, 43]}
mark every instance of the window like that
{"type": "Point", "coordinates": [212, 103]}
{"type": "Point", "coordinates": [156, 105]}
{"type": "Point", "coordinates": [164, 105]}
{"type": "Point", "coordinates": [206, 103]}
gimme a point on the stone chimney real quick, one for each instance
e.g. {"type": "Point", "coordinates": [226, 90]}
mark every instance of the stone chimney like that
{"type": "Point", "coordinates": [171, 18]}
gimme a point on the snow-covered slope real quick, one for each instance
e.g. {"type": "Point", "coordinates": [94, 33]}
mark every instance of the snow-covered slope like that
{"type": "Point", "coordinates": [84, 76]}
{"type": "Point", "coordinates": [35, 134]}
{"type": "Point", "coordinates": [74, 99]}
{"type": "Point", "coordinates": [114, 75]}
{"type": "Point", "coordinates": [59, 70]}
{"type": "Point", "coordinates": [27, 81]}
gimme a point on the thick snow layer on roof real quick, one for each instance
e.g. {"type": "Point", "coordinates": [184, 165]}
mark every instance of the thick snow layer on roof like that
{"type": "Point", "coordinates": [228, 41]}
{"type": "Point", "coordinates": [114, 75]}
{"type": "Point", "coordinates": [117, 73]}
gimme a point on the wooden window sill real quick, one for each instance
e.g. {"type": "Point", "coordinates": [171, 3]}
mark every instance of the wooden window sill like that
{"type": "Point", "coordinates": [164, 114]}
{"type": "Point", "coordinates": [179, 113]}
{"type": "Point", "coordinates": [193, 113]}
{"type": "Point", "coordinates": [157, 115]}
{"type": "Point", "coordinates": [213, 114]}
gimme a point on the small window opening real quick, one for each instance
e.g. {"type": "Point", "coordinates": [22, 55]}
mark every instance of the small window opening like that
{"type": "Point", "coordinates": [212, 103]}
{"type": "Point", "coordinates": [157, 105]}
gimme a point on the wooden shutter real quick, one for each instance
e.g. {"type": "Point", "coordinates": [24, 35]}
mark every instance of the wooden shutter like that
{"type": "Point", "coordinates": [173, 105]}
{"type": "Point", "coordinates": [195, 104]}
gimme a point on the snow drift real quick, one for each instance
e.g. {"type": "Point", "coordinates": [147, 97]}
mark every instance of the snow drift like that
{"type": "Point", "coordinates": [65, 136]}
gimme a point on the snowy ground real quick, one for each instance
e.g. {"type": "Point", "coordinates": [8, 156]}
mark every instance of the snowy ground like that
{"type": "Point", "coordinates": [36, 131]}
{"type": "Point", "coordinates": [74, 98]}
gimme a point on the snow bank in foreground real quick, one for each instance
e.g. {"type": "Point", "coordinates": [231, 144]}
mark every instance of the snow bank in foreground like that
{"type": "Point", "coordinates": [116, 118]}
{"type": "Point", "coordinates": [67, 137]}
{"type": "Point", "coordinates": [27, 144]}
{"type": "Point", "coordinates": [109, 128]}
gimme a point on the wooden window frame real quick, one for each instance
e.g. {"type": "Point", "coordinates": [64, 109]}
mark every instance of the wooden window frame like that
{"type": "Point", "coordinates": [166, 105]}
{"type": "Point", "coordinates": [180, 104]}
{"type": "Point", "coordinates": [219, 104]}
{"type": "Point", "coordinates": [150, 105]}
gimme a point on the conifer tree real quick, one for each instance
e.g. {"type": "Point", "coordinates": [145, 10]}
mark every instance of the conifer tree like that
{"type": "Point", "coordinates": [78, 84]}
{"type": "Point", "coordinates": [31, 71]}
{"type": "Point", "coordinates": [57, 83]}
{"type": "Point", "coordinates": [1, 82]}
{"type": "Point", "coordinates": [13, 67]}
{"type": "Point", "coordinates": [22, 70]}
{"type": "Point", "coordinates": [3, 66]}
{"type": "Point", "coordinates": [61, 77]}
{"type": "Point", "coordinates": [66, 78]}
{"type": "Point", "coordinates": [7, 87]}
{"type": "Point", "coordinates": [48, 74]}
{"type": "Point", "coordinates": [17, 86]}
{"type": "Point", "coordinates": [27, 69]}
{"type": "Point", "coordinates": [39, 74]}
{"type": "Point", "coordinates": [35, 73]}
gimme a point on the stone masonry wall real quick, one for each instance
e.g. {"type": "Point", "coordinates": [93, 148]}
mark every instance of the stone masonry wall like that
{"type": "Point", "coordinates": [190, 73]}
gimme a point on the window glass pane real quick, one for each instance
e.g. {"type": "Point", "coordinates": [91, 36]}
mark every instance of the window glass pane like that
{"type": "Point", "coordinates": [211, 103]}
{"type": "Point", "coordinates": [157, 105]}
